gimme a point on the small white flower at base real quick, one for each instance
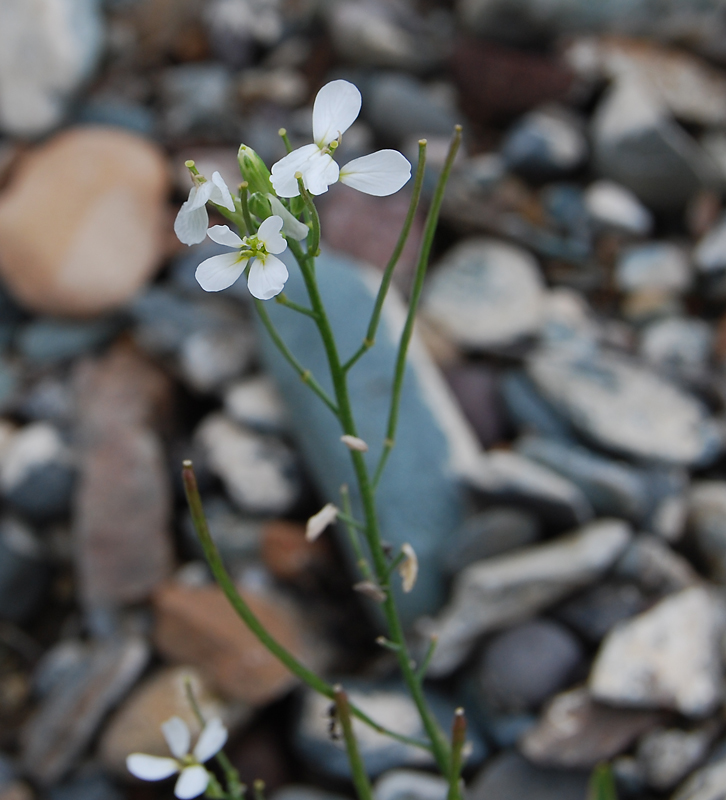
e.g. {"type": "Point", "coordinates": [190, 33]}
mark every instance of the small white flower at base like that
{"type": "Point", "coordinates": [336, 108]}
{"type": "Point", "coordinates": [354, 443]}
{"type": "Point", "coordinates": [191, 222]}
{"type": "Point", "coordinates": [320, 521]}
{"type": "Point", "coordinates": [193, 777]}
{"type": "Point", "coordinates": [266, 276]}
{"type": "Point", "coordinates": [408, 568]}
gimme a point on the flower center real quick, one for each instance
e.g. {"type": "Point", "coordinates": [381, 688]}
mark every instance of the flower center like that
{"type": "Point", "coordinates": [252, 247]}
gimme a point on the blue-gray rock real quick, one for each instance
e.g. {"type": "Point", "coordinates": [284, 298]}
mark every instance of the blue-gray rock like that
{"type": "Point", "coordinates": [24, 571]}
{"type": "Point", "coordinates": [65, 722]}
{"type": "Point", "coordinates": [595, 611]}
{"type": "Point", "coordinates": [485, 293]}
{"type": "Point", "coordinates": [48, 341]}
{"type": "Point", "coordinates": [625, 407]}
{"type": "Point", "coordinates": [420, 500]}
{"type": "Point", "coordinates": [238, 538]}
{"type": "Point", "coordinates": [50, 399]}
{"type": "Point", "coordinates": [58, 664]}
{"type": "Point", "coordinates": [707, 521]}
{"type": "Point", "coordinates": [92, 786]}
{"type": "Point", "coordinates": [8, 771]}
{"type": "Point", "coordinates": [119, 113]}
{"type": "Point", "coordinates": [657, 569]}
{"type": "Point", "coordinates": [299, 792]}
{"type": "Point", "coordinates": [521, 667]}
{"type": "Point", "coordinates": [37, 473]}
{"type": "Point", "coordinates": [477, 389]}
{"type": "Point", "coordinates": [256, 403]}
{"type": "Point", "coordinates": [9, 382]}
{"type": "Point", "coordinates": [491, 533]}
{"type": "Point", "coordinates": [399, 107]}
{"type": "Point", "coordinates": [566, 209]}
{"type": "Point", "coordinates": [49, 48]}
{"type": "Point", "coordinates": [545, 144]}
{"type": "Point", "coordinates": [198, 98]}
{"type": "Point", "coordinates": [677, 345]}
{"type": "Point", "coordinates": [637, 144]}
{"type": "Point", "coordinates": [710, 253]}
{"type": "Point", "coordinates": [614, 207]}
{"type": "Point", "coordinates": [390, 705]}
{"type": "Point", "coordinates": [497, 592]}
{"type": "Point", "coordinates": [407, 784]}
{"type": "Point", "coordinates": [656, 265]}
{"type": "Point", "coordinates": [237, 29]}
{"type": "Point", "coordinates": [511, 777]}
{"type": "Point", "coordinates": [529, 411]}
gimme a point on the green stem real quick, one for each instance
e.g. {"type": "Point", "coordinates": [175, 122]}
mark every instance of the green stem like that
{"type": "Point", "coordinates": [285, 140]}
{"type": "Point", "coordinates": [423, 260]}
{"type": "Point", "coordinates": [357, 766]}
{"type": "Point", "coordinates": [421, 671]}
{"type": "Point", "coordinates": [251, 227]}
{"type": "Point", "coordinates": [238, 603]}
{"type": "Point", "coordinates": [258, 787]}
{"type": "Point", "coordinates": [370, 337]}
{"type": "Point", "coordinates": [458, 740]}
{"type": "Point", "coordinates": [283, 300]}
{"type": "Point", "coordinates": [305, 375]}
{"type": "Point", "coordinates": [314, 238]}
{"type": "Point", "coordinates": [355, 542]}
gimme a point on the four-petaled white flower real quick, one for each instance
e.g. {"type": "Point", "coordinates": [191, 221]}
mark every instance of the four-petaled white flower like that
{"type": "Point", "coordinates": [267, 274]}
{"type": "Point", "coordinates": [193, 777]}
{"type": "Point", "coordinates": [191, 222]}
{"type": "Point", "coordinates": [336, 108]}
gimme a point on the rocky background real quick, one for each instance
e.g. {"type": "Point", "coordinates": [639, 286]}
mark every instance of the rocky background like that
{"type": "Point", "coordinates": [560, 464]}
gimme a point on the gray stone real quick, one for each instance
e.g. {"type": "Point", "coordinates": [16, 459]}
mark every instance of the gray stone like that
{"type": "Point", "coordinates": [238, 538]}
{"type": "Point", "coordinates": [576, 733]}
{"type": "Point", "coordinates": [626, 408]}
{"type": "Point", "coordinates": [49, 399]}
{"type": "Point", "coordinates": [500, 591]}
{"type": "Point", "coordinates": [530, 411]}
{"type": "Point", "coordinates": [677, 345]}
{"type": "Point", "coordinates": [521, 667]}
{"type": "Point", "coordinates": [91, 785]}
{"type": "Point", "coordinates": [388, 704]}
{"type": "Point", "coordinates": [636, 143]}
{"type": "Point", "coordinates": [705, 784]}
{"type": "Point", "coordinates": [407, 784]}
{"type": "Point", "coordinates": [48, 341]}
{"type": "Point", "coordinates": [24, 571]}
{"type": "Point", "coordinates": [259, 472]}
{"type": "Point", "coordinates": [710, 253]}
{"type": "Point", "coordinates": [655, 265]}
{"type": "Point", "coordinates": [568, 320]}
{"type": "Point", "coordinates": [55, 737]}
{"type": "Point", "coordinates": [295, 792]}
{"type": "Point", "coordinates": [48, 49]}
{"type": "Point", "coordinates": [657, 569]}
{"type": "Point", "coordinates": [433, 443]}
{"type": "Point", "coordinates": [197, 98]}
{"type": "Point", "coordinates": [667, 657]}
{"type": "Point", "coordinates": [57, 664]}
{"type": "Point", "coordinates": [667, 755]}
{"type": "Point", "coordinates": [511, 777]}
{"type": "Point", "coordinates": [256, 403]}
{"type": "Point", "coordinates": [613, 206]}
{"type": "Point", "coordinates": [37, 472]}
{"type": "Point", "coordinates": [485, 293]}
{"type": "Point", "coordinates": [491, 533]}
{"type": "Point", "coordinates": [595, 611]}
{"type": "Point", "coordinates": [707, 520]}
{"type": "Point", "coordinates": [211, 359]}
{"type": "Point", "coordinates": [545, 144]}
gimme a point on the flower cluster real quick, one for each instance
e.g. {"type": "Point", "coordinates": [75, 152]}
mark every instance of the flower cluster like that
{"type": "Point", "coordinates": [336, 108]}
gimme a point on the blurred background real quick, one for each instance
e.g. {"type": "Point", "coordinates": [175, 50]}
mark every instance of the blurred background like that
{"type": "Point", "coordinates": [559, 468]}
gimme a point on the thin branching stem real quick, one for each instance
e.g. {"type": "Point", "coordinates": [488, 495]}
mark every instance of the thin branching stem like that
{"type": "Point", "coordinates": [357, 766]}
{"type": "Point", "coordinates": [283, 300]}
{"type": "Point", "coordinates": [314, 236]}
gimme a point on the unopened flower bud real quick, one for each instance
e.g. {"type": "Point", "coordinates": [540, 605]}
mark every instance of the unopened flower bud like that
{"type": "Point", "coordinates": [253, 170]}
{"type": "Point", "coordinates": [320, 521]}
{"type": "Point", "coordinates": [371, 590]}
{"type": "Point", "coordinates": [354, 443]}
{"type": "Point", "coordinates": [408, 568]}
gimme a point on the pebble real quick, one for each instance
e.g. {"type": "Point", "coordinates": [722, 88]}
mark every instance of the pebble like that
{"type": "Point", "coordinates": [612, 205]}
{"type": "Point", "coordinates": [17, 790]}
{"type": "Point", "coordinates": [655, 265]}
{"type": "Point", "coordinates": [259, 472]}
{"type": "Point", "coordinates": [98, 247]}
{"type": "Point", "coordinates": [595, 611]}
{"type": "Point", "coordinates": [576, 733]}
{"type": "Point", "coordinates": [198, 100]}
{"type": "Point", "coordinates": [707, 521]}
{"type": "Point", "coordinates": [289, 556]}
{"type": "Point", "coordinates": [408, 784]}
{"type": "Point", "coordinates": [255, 403]}
{"type": "Point", "coordinates": [24, 570]}
{"type": "Point", "coordinates": [485, 293]}
{"type": "Point", "coordinates": [136, 726]}
{"type": "Point", "coordinates": [677, 345]}
{"type": "Point", "coordinates": [237, 537]}
{"type": "Point", "coordinates": [625, 407]}
{"type": "Point", "coordinates": [709, 255]}
{"type": "Point", "coordinates": [197, 626]}
{"type": "Point", "coordinates": [524, 665]}
{"type": "Point", "coordinates": [667, 657]}
{"type": "Point", "coordinates": [667, 755]}
{"type": "Point", "coordinates": [657, 569]}
{"type": "Point", "coordinates": [209, 360]}
{"type": "Point", "coordinates": [37, 473]}
{"type": "Point", "coordinates": [49, 341]}
{"type": "Point", "coordinates": [48, 49]}
{"type": "Point", "coordinates": [704, 784]}
{"type": "Point", "coordinates": [529, 410]}
{"type": "Point", "coordinates": [66, 721]}
{"type": "Point", "coordinates": [91, 784]}
{"type": "Point", "coordinates": [478, 391]}
{"type": "Point", "coordinates": [509, 776]}
{"type": "Point", "coordinates": [507, 589]}
{"type": "Point", "coordinates": [545, 144]}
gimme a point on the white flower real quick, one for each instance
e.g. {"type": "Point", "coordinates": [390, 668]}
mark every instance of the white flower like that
{"type": "Point", "coordinates": [336, 108]}
{"type": "Point", "coordinates": [320, 521]}
{"type": "Point", "coordinates": [408, 568]}
{"type": "Point", "coordinates": [354, 443]}
{"type": "Point", "coordinates": [267, 274]}
{"type": "Point", "coordinates": [191, 222]}
{"type": "Point", "coordinates": [193, 777]}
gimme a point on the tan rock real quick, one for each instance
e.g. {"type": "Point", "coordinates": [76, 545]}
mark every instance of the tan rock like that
{"type": "Point", "coordinates": [288, 555]}
{"type": "Point", "coordinates": [81, 223]}
{"type": "Point", "coordinates": [197, 625]}
{"type": "Point", "coordinates": [136, 726]}
{"type": "Point", "coordinates": [17, 790]}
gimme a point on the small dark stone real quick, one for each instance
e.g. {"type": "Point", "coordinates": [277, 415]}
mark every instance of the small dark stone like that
{"type": "Point", "coordinates": [594, 612]}
{"type": "Point", "coordinates": [24, 571]}
{"type": "Point", "coordinates": [510, 777]}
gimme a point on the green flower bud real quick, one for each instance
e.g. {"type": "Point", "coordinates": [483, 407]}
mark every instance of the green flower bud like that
{"type": "Point", "coordinates": [253, 170]}
{"type": "Point", "coordinates": [259, 205]}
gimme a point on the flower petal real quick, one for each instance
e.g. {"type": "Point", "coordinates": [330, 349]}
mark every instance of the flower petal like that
{"type": "Point", "coordinates": [269, 234]}
{"type": "Point", "coordinates": [220, 272]}
{"type": "Point", "coordinates": [266, 278]}
{"type": "Point", "coordinates": [199, 195]}
{"type": "Point", "coordinates": [381, 173]}
{"type": "Point", "coordinates": [320, 521]}
{"type": "Point", "coordinates": [221, 234]}
{"type": "Point", "coordinates": [220, 193]}
{"type": "Point", "coordinates": [176, 733]}
{"type": "Point", "coordinates": [190, 224]}
{"type": "Point", "coordinates": [291, 227]}
{"type": "Point", "coordinates": [336, 108]}
{"type": "Point", "coordinates": [211, 740]}
{"type": "Point", "coordinates": [192, 782]}
{"type": "Point", "coordinates": [283, 171]}
{"type": "Point", "coordinates": [320, 173]}
{"type": "Point", "coordinates": [151, 768]}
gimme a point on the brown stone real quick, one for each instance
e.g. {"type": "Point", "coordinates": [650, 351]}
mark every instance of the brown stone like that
{"type": "Point", "coordinates": [136, 726]}
{"type": "Point", "coordinates": [81, 221]}
{"type": "Point", "coordinates": [17, 790]}
{"type": "Point", "coordinates": [287, 554]}
{"type": "Point", "coordinates": [198, 626]}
